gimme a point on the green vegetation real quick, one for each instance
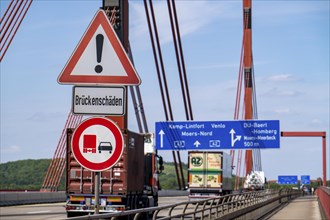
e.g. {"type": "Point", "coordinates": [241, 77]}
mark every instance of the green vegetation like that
{"type": "Point", "coordinates": [168, 179]}
{"type": "Point", "coordinates": [30, 174]}
{"type": "Point", "coordinates": [23, 174]}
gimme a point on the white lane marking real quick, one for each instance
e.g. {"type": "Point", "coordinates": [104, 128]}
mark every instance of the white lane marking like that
{"type": "Point", "coordinates": [38, 212]}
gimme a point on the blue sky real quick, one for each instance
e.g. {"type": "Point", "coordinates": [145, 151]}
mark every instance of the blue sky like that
{"type": "Point", "coordinates": [291, 61]}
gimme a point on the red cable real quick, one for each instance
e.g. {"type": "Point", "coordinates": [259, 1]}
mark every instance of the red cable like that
{"type": "Point", "coordinates": [51, 166]}
{"type": "Point", "coordinates": [3, 54]}
{"type": "Point", "coordinates": [6, 11]}
{"type": "Point", "coordinates": [8, 16]}
{"type": "Point", "coordinates": [11, 20]}
{"type": "Point", "coordinates": [12, 26]}
{"type": "Point", "coordinates": [60, 150]}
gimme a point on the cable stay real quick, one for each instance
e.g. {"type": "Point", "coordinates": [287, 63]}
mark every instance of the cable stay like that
{"type": "Point", "coordinates": [10, 22]}
{"type": "Point", "coordinates": [161, 74]}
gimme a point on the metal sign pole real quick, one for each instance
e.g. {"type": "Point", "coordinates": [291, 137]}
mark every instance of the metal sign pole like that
{"type": "Point", "coordinates": [97, 192]}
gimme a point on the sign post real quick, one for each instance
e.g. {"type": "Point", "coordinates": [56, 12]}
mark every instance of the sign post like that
{"type": "Point", "coordinates": [97, 144]}
{"type": "Point", "coordinates": [213, 135]}
{"type": "Point", "coordinates": [305, 179]}
{"type": "Point", "coordinates": [286, 180]}
{"type": "Point", "coordinates": [92, 100]}
{"type": "Point", "coordinates": [97, 192]}
{"type": "Point", "coordinates": [100, 60]}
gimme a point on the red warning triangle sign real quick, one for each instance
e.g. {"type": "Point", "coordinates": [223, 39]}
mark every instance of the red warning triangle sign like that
{"type": "Point", "coordinates": [99, 58]}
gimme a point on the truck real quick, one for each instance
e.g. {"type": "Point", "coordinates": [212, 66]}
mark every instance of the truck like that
{"type": "Point", "coordinates": [89, 143]}
{"type": "Point", "coordinates": [209, 174]}
{"type": "Point", "coordinates": [130, 184]}
{"type": "Point", "coordinates": [255, 180]}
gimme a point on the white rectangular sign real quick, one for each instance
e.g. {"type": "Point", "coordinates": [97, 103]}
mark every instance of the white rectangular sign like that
{"type": "Point", "coordinates": [99, 100]}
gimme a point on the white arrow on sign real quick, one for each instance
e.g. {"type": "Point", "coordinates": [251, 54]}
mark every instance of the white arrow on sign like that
{"type": "Point", "coordinates": [161, 133]}
{"type": "Point", "coordinates": [197, 144]}
{"type": "Point", "coordinates": [233, 140]}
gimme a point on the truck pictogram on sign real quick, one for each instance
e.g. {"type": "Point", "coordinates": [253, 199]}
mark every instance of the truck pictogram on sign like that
{"type": "Point", "coordinates": [90, 142]}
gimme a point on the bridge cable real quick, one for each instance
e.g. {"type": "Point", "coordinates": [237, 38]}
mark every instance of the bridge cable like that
{"type": "Point", "coordinates": [16, 15]}
{"type": "Point", "coordinates": [181, 67]}
{"type": "Point", "coordinates": [156, 54]}
{"type": "Point", "coordinates": [162, 78]}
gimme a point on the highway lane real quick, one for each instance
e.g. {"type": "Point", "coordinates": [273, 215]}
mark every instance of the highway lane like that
{"type": "Point", "coordinates": [52, 211]}
{"type": "Point", "coordinates": [37, 212]}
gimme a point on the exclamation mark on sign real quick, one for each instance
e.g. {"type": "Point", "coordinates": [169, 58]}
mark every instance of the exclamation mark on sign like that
{"type": "Point", "coordinates": [99, 48]}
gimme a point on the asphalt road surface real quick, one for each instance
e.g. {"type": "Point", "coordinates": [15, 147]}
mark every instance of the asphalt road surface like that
{"type": "Point", "coordinates": [37, 212]}
{"type": "Point", "coordinates": [52, 211]}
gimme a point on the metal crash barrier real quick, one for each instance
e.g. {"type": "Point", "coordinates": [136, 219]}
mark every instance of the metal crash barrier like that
{"type": "Point", "coordinates": [250, 204]}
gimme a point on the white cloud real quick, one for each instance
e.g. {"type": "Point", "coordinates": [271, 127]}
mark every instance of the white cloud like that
{"type": "Point", "coordinates": [283, 111]}
{"type": "Point", "coordinates": [316, 121]}
{"type": "Point", "coordinates": [281, 78]}
{"type": "Point", "coordinates": [283, 92]}
{"type": "Point", "coordinates": [287, 8]}
{"type": "Point", "coordinates": [215, 66]}
{"type": "Point", "coordinates": [12, 149]}
{"type": "Point", "coordinates": [44, 116]}
{"type": "Point", "coordinates": [192, 17]}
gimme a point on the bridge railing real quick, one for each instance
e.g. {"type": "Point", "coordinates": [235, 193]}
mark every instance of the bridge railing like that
{"type": "Point", "coordinates": [323, 194]}
{"type": "Point", "coordinates": [225, 207]}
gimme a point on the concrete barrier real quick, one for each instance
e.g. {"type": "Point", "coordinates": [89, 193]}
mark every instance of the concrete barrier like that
{"type": "Point", "coordinates": [20, 198]}
{"type": "Point", "coordinates": [170, 193]}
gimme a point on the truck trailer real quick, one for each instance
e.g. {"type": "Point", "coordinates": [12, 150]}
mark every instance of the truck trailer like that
{"type": "Point", "coordinates": [131, 184]}
{"type": "Point", "coordinates": [254, 181]}
{"type": "Point", "coordinates": [209, 174]}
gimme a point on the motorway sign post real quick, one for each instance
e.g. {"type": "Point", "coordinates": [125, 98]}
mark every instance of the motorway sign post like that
{"type": "Point", "coordinates": [290, 180]}
{"type": "Point", "coordinates": [305, 179]}
{"type": "Point", "coordinates": [217, 135]}
{"type": "Point", "coordinates": [99, 58]}
{"type": "Point", "coordinates": [97, 144]}
{"type": "Point", "coordinates": [98, 100]}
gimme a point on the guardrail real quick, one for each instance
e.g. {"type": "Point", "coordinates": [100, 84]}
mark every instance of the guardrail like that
{"type": "Point", "coordinates": [323, 194]}
{"type": "Point", "coordinates": [251, 205]}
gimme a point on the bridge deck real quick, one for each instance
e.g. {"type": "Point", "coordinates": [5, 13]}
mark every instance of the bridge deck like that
{"type": "Point", "coordinates": [305, 207]}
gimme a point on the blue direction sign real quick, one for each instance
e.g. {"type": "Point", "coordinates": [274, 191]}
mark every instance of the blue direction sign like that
{"type": "Point", "coordinates": [305, 179]}
{"type": "Point", "coordinates": [212, 135]}
{"type": "Point", "coordinates": [287, 180]}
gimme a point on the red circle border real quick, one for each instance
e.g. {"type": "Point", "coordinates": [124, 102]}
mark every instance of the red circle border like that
{"type": "Point", "coordinates": [118, 149]}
